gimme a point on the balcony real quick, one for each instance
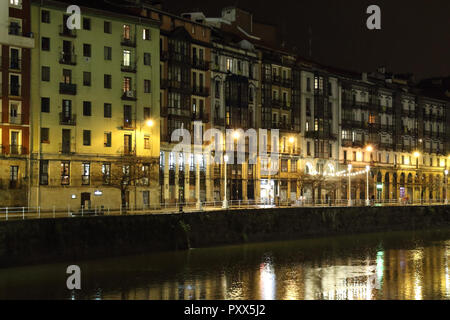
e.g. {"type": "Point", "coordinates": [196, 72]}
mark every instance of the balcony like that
{"type": "Point", "coordinates": [349, 143]}
{"type": "Point", "coordinates": [287, 83]}
{"type": "Point", "coordinates": [200, 91]}
{"type": "Point", "coordinates": [387, 128]}
{"type": "Point", "coordinates": [129, 95]}
{"type": "Point", "coordinates": [202, 116]}
{"type": "Point", "coordinates": [67, 148]}
{"type": "Point", "coordinates": [200, 64]}
{"type": "Point", "coordinates": [16, 119]}
{"type": "Point", "coordinates": [67, 88]}
{"type": "Point", "coordinates": [15, 64]}
{"type": "Point", "coordinates": [20, 38]}
{"type": "Point", "coordinates": [128, 42]}
{"type": "Point", "coordinates": [66, 32]}
{"type": "Point", "coordinates": [128, 123]}
{"type": "Point", "coordinates": [68, 58]}
{"type": "Point", "coordinates": [14, 90]}
{"type": "Point", "coordinates": [386, 146]}
{"type": "Point", "coordinates": [16, 149]}
{"type": "Point", "coordinates": [67, 119]}
{"type": "Point", "coordinates": [128, 67]}
{"type": "Point", "coordinates": [176, 86]}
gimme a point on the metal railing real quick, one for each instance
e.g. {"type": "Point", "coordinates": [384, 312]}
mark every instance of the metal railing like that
{"type": "Point", "coordinates": [28, 213]}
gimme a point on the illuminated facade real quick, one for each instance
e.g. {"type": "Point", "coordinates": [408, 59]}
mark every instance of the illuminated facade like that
{"type": "Point", "coordinates": [16, 42]}
{"type": "Point", "coordinates": [95, 93]}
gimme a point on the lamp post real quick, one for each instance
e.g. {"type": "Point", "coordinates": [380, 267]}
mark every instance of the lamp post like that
{"type": "Point", "coordinates": [349, 186]}
{"type": "Point", "coordinates": [225, 201]}
{"type": "Point", "coordinates": [367, 186]}
{"type": "Point", "coordinates": [199, 202]}
{"type": "Point", "coordinates": [446, 184]}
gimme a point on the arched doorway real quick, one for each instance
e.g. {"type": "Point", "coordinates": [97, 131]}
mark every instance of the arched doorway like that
{"type": "Point", "coordinates": [394, 186]}
{"type": "Point", "coordinates": [379, 183]}
{"type": "Point", "coordinates": [402, 194]}
{"type": "Point", "coordinates": [409, 187]}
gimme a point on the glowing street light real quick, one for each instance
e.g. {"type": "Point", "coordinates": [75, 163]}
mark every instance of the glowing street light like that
{"type": "Point", "coordinates": [149, 123]}
{"type": "Point", "coordinates": [417, 155]}
{"type": "Point", "coordinates": [291, 140]}
{"type": "Point", "coordinates": [225, 201]}
{"type": "Point", "coordinates": [369, 148]}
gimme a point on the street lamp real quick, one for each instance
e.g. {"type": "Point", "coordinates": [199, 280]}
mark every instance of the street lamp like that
{"type": "Point", "coordinates": [149, 123]}
{"type": "Point", "coordinates": [446, 184]}
{"type": "Point", "coordinates": [225, 201]}
{"type": "Point", "coordinates": [367, 186]}
{"type": "Point", "coordinates": [369, 148]}
{"type": "Point", "coordinates": [199, 203]}
{"type": "Point", "coordinates": [349, 186]}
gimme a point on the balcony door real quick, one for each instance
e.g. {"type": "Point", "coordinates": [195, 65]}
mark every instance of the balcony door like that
{"type": "Point", "coordinates": [15, 142]}
{"type": "Point", "coordinates": [67, 50]}
{"type": "Point", "coordinates": [65, 141]}
{"type": "Point", "coordinates": [14, 58]}
{"type": "Point", "coordinates": [67, 110]}
{"type": "Point", "coordinates": [127, 143]}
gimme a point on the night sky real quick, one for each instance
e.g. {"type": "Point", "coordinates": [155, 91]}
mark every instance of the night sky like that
{"type": "Point", "coordinates": [415, 35]}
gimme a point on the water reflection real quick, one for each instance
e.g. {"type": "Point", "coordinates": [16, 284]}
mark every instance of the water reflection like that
{"type": "Point", "coordinates": [366, 267]}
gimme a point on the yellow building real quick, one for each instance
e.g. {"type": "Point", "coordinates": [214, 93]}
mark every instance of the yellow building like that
{"type": "Point", "coordinates": [95, 109]}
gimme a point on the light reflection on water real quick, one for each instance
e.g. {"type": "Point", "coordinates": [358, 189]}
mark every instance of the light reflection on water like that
{"type": "Point", "coordinates": [402, 265]}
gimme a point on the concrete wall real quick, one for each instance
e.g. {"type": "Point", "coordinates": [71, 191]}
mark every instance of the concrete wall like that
{"type": "Point", "coordinates": [72, 239]}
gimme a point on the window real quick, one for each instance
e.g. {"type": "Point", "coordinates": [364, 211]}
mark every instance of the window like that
{"type": "Point", "coordinates": [45, 137]}
{"type": "Point", "coordinates": [126, 32]}
{"type": "Point", "coordinates": [308, 84]}
{"type": "Point", "coordinates": [147, 87]}
{"type": "Point", "coordinates": [146, 143]}
{"type": "Point", "coordinates": [126, 84]}
{"type": "Point", "coordinates": [86, 24]}
{"type": "Point", "coordinates": [107, 110]}
{"type": "Point", "coordinates": [86, 137]}
{"type": "Point", "coordinates": [345, 155]}
{"type": "Point", "coordinates": [146, 113]}
{"type": "Point", "coordinates": [86, 50]}
{"type": "Point", "coordinates": [284, 165]}
{"type": "Point", "coordinates": [107, 81]}
{"type": "Point", "coordinates": [108, 53]}
{"type": "Point", "coordinates": [308, 148]}
{"type": "Point", "coordinates": [45, 104]}
{"type": "Point", "coordinates": [13, 177]}
{"type": "Point", "coordinates": [147, 59]}
{"type": "Point", "coordinates": [229, 65]}
{"type": "Point", "coordinates": [107, 139]}
{"type": "Point", "coordinates": [45, 74]}
{"type": "Point", "coordinates": [67, 76]}
{"type": "Point", "coordinates": [87, 108]}
{"type": "Point", "coordinates": [45, 43]}
{"type": "Point", "coordinates": [43, 172]}
{"type": "Point", "coordinates": [107, 27]}
{"type": "Point", "coordinates": [126, 58]}
{"type": "Point", "coordinates": [106, 173]}
{"type": "Point", "coordinates": [65, 173]}
{"type": "Point", "coordinates": [45, 16]}
{"type": "Point", "coordinates": [87, 79]}
{"type": "Point", "coordinates": [86, 170]}
{"type": "Point", "coordinates": [16, 3]}
{"type": "Point", "coordinates": [146, 34]}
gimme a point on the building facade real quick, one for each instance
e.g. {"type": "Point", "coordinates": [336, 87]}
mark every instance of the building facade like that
{"type": "Point", "coordinates": [95, 98]}
{"type": "Point", "coordinates": [16, 42]}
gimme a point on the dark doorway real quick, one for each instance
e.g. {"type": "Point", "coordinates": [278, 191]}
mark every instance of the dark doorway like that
{"type": "Point", "coordinates": [86, 200]}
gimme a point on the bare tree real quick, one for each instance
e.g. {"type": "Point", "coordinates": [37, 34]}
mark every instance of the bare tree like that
{"type": "Point", "coordinates": [129, 171]}
{"type": "Point", "coordinates": [313, 181]}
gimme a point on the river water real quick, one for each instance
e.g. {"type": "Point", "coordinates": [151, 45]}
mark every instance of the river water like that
{"type": "Point", "coordinates": [397, 265]}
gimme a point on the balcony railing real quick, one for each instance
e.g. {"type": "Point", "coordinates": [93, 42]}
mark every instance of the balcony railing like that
{"type": "Point", "coordinates": [177, 86]}
{"type": "Point", "coordinates": [129, 95]}
{"type": "Point", "coordinates": [14, 90]}
{"type": "Point", "coordinates": [200, 64]}
{"type": "Point", "coordinates": [15, 64]}
{"type": "Point", "coordinates": [16, 149]}
{"type": "Point", "coordinates": [128, 42]}
{"type": "Point", "coordinates": [16, 119]}
{"type": "Point", "coordinates": [163, 55]}
{"type": "Point", "coordinates": [67, 119]}
{"type": "Point", "coordinates": [200, 91]}
{"type": "Point", "coordinates": [128, 67]}
{"type": "Point", "coordinates": [67, 88]}
{"type": "Point", "coordinates": [68, 58]}
{"type": "Point", "coordinates": [67, 148]}
{"type": "Point", "coordinates": [16, 30]}
{"type": "Point", "coordinates": [128, 123]}
{"type": "Point", "coordinates": [66, 32]}
{"type": "Point", "coordinates": [202, 116]}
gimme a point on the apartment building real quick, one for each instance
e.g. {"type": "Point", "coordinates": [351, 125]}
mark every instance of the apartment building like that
{"type": "Point", "coordinates": [16, 42]}
{"type": "Point", "coordinates": [95, 108]}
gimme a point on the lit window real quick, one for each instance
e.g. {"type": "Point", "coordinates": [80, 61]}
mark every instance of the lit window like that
{"type": "Point", "coordinates": [126, 58]}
